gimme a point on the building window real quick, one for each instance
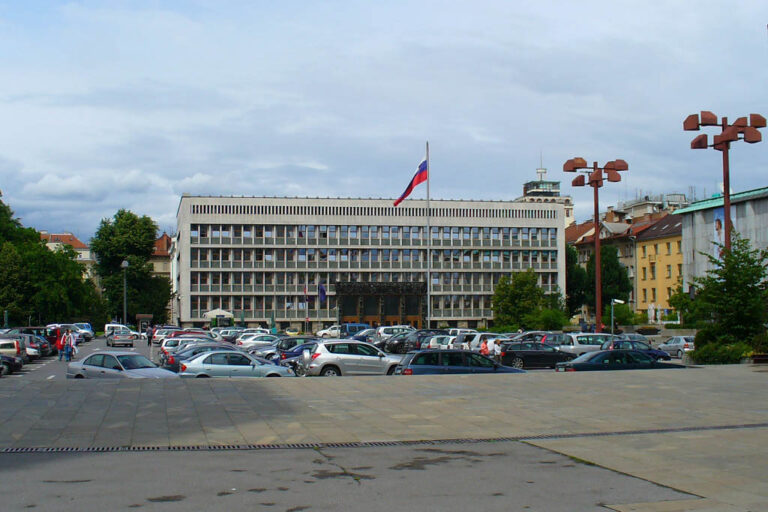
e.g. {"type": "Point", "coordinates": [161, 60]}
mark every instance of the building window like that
{"type": "Point", "coordinates": [645, 295]}
{"type": "Point", "coordinates": [644, 251]}
{"type": "Point", "coordinates": [669, 247]}
{"type": "Point", "coordinates": [653, 294]}
{"type": "Point", "coordinates": [679, 247]}
{"type": "Point", "coordinates": [669, 270]}
{"type": "Point", "coordinates": [679, 269]}
{"type": "Point", "coordinates": [653, 271]}
{"type": "Point", "coordinates": [645, 276]}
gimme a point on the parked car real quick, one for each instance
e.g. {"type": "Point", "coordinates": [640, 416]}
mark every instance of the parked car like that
{"type": "Point", "coordinates": [228, 363]}
{"type": "Point", "coordinates": [86, 330]}
{"type": "Point", "coordinates": [368, 335]}
{"type": "Point", "coordinates": [578, 343]}
{"type": "Point", "coordinates": [634, 336]}
{"type": "Point", "coordinates": [10, 364]}
{"type": "Point", "coordinates": [614, 360]}
{"type": "Point", "coordinates": [173, 361]}
{"type": "Point", "coordinates": [335, 358]}
{"type": "Point", "coordinates": [411, 341]}
{"type": "Point", "coordinates": [116, 365]}
{"type": "Point", "coordinates": [475, 341]}
{"type": "Point", "coordinates": [280, 345]}
{"type": "Point", "coordinates": [529, 354]}
{"type": "Point", "coordinates": [442, 362]}
{"type": "Point", "coordinates": [124, 337]}
{"type": "Point", "coordinates": [443, 341]}
{"type": "Point", "coordinates": [387, 331]}
{"type": "Point", "coordinates": [333, 331]}
{"type": "Point", "coordinates": [14, 348]}
{"type": "Point", "coordinates": [640, 346]}
{"type": "Point", "coordinates": [677, 345]}
{"type": "Point", "coordinates": [256, 341]}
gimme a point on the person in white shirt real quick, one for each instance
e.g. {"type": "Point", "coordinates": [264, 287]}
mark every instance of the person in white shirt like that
{"type": "Point", "coordinates": [497, 351]}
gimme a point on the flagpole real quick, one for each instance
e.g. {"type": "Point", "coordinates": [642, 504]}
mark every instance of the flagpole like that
{"type": "Point", "coordinates": [429, 249]}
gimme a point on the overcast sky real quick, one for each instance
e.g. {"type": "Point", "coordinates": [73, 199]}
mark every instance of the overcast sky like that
{"type": "Point", "coordinates": [109, 105]}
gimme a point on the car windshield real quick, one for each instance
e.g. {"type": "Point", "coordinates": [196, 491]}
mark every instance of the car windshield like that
{"type": "Point", "coordinates": [586, 356]}
{"type": "Point", "coordinates": [134, 362]}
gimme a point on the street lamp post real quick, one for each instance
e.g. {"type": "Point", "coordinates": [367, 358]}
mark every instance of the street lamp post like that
{"type": "Point", "coordinates": [124, 266]}
{"type": "Point", "coordinates": [611, 170]}
{"type": "Point", "coordinates": [730, 133]}
{"type": "Point", "coordinates": [614, 301]}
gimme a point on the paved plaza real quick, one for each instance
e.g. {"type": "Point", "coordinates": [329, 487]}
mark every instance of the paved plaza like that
{"type": "Point", "coordinates": [700, 431]}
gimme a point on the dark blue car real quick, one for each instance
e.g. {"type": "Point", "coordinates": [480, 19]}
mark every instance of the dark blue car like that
{"type": "Point", "coordinates": [640, 346]}
{"type": "Point", "coordinates": [442, 362]}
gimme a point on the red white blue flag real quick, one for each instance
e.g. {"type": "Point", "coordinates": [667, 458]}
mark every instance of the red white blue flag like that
{"type": "Point", "coordinates": [421, 175]}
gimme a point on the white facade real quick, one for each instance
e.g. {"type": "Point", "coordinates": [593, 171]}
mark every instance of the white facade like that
{"type": "Point", "coordinates": [749, 215]}
{"type": "Point", "coordinates": [255, 256]}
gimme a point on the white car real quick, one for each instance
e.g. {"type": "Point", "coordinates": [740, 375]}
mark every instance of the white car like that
{"type": "Point", "coordinates": [581, 342]}
{"type": "Point", "coordinates": [251, 332]}
{"type": "Point", "coordinates": [385, 332]}
{"type": "Point", "coordinates": [333, 331]}
{"type": "Point", "coordinates": [257, 340]}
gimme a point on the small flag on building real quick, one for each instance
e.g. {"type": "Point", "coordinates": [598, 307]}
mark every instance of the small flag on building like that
{"type": "Point", "coordinates": [321, 293]}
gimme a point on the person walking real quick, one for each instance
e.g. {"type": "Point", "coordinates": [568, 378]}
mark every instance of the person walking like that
{"type": "Point", "coordinates": [69, 344]}
{"type": "Point", "coordinates": [484, 347]}
{"type": "Point", "coordinates": [149, 335]}
{"type": "Point", "coordinates": [497, 351]}
{"type": "Point", "coordinates": [60, 343]}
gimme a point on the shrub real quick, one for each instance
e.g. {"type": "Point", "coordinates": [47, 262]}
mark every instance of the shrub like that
{"type": "Point", "coordinates": [673, 326]}
{"type": "Point", "coordinates": [760, 343]}
{"type": "Point", "coordinates": [705, 336]}
{"type": "Point", "coordinates": [717, 353]}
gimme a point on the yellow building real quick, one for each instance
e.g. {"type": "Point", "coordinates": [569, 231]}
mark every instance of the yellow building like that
{"type": "Point", "coordinates": [659, 266]}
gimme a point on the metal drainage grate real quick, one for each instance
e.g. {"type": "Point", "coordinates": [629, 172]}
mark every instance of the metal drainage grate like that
{"type": "Point", "coordinates": [366, 444]}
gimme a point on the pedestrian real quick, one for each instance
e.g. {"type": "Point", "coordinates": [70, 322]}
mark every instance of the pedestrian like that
{"type": "Point", "coordinates": [497, 351]}
{"type": "Point", "coordinates": [68, 345]}
{"type": "Point", "coordinates": [484, 347]}
{"type": "Point", "coordinates": [149, 336]}
{"type": "Point", "coordinates": [60, 342]}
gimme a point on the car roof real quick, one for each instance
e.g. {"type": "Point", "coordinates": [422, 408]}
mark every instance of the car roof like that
{"type": "Point", "coordinates": [116, 353]}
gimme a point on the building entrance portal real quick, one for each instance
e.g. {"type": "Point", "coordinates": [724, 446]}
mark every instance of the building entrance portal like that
{"type": "Point", "coordinates": [382, 303]}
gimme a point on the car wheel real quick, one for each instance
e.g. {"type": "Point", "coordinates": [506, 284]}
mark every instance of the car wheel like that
{"type": "Point", "coordinates": [331, 371]}
{"type": "Point", "coordinates": [78, 376]}
{"type": "Point", "coordinates": [201, 376]}
{"type": "Point", "coordinates": [273, 375]}
{"type": "Point", "coordinates": [518, 362]}
{"type": "Point", "coordinates": [5, 369]}
{"type": "Point", "coordinates": [679, 354]}
{"type": "Point", "coordinates": [391, 370]}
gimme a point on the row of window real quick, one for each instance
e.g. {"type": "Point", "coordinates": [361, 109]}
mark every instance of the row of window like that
{"type": "Point", "coordinates": [370, 232]}
{"type": "Point", "coordinates": [313, 278]}
{"type": "Point", "coordinates": [652, 268]}
{"type": "Point", "coordinates": [371, 211]}
{"type": "Point", "coordinates": [679, 243]}
{"type": "Point", "coordinates": [238, 256]}
{"type": "Point", "coordinates": [300, 302]}
{"type": "Point", "coordinates": [653, 294]}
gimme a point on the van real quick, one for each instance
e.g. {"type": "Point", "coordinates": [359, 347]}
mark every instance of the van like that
{"type": "Point", "coordinates": [581, 342]}
{"type": "Point", "coordinates": [14, 348]}
{"type": "Point", "coordinates": [347, 330]}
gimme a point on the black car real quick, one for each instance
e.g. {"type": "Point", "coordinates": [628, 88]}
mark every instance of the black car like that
{"type": "Point", "coordinates": [614, 360]}
{"type": "Point", "coordinates": [10, 364]}
{"type": "Point", "coordinates": [411, 340]}
{"type": "Point", "coordinates": [641, 346]}
{"type": "Point", "coordinates": [529, 354]}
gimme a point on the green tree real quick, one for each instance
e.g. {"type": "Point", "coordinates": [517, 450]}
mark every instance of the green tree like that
{"type": "Point", "coordinates": [576, 281]}
{"type": "Point", "coordinates": [733, 294]}
{"type": "Point", "coordinates": [13, 285]}
{"type": "Point", "coordinates": [615, 280]}
{"type": "Point", "coordinates": [40, 284]}
{"type": "Point", "coordinates": [514, 299]}
{"type": "Point", "coordinates": [128, 237]}
{"type": "Point", "coordinates": [682, 302]}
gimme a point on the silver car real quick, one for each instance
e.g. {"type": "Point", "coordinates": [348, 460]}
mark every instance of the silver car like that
{"type": "Point", "coordinates": [116, 365]}
{"type": "Point", "coordinates": [333, 358]}
{"type": "Point", "coordinates": [231, 364]}
{"type": "Point", "coordinates": [677, 346]}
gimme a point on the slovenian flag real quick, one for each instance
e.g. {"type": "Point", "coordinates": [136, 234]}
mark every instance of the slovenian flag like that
{"type": "Point", "coordinates": [422, 174]}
